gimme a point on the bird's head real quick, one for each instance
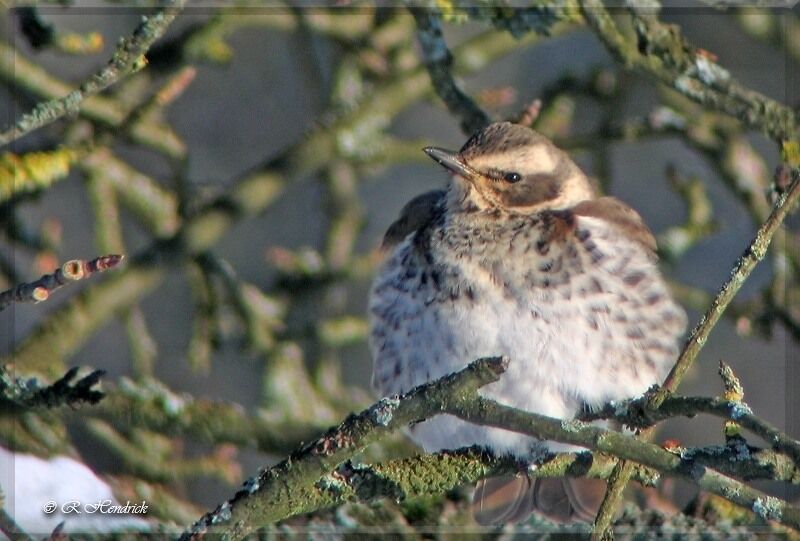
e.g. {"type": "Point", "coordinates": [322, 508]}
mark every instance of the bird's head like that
{"type": "Point", "coordinates": [511, 168]}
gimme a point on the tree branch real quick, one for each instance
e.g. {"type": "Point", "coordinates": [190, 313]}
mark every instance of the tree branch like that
{"type": "Point", "coordinates": [637, 413]}
{"type": "Point", "coordinates": [754, 253]}
{"type": "Point", "coordinates": [438, 61]}
{"type": "Point", "coordinates": [17, 395]}
{"type": "Point", "coordinates": [127, 58]}
{"type": "Point", "coordinates": [46, 347]}
{"type": "Point", "coordinates": [661, 51]}
{"type": "Point", "coordinates": [71, 271]}
{"type": "Point", "coordinates": [487, 412]}
{"type": "Point", "coordinates": [319, 475]}
{"type": "Point", "coordinates": [274, 493]}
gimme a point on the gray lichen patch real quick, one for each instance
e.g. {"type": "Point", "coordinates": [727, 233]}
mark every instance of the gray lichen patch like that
{"type": "Point", "coordinates": [383, 411]}
{"type": "Point", "coordinates": [711, 73]}
{"type": "Point", "coordinates": [768, 508]}
{"type": "Point", "coordinates": [572, 425]}
{"type": "Point", "coordinates": [222, 514]}
{"type": "Point", "coordinates": [252, 485]}
{"type": "Point", "coordinates": [332, 483]}
{"type": "Point", "coordinates": [731, 492]}
{"type": "Point", "coordinates": [739, 410]}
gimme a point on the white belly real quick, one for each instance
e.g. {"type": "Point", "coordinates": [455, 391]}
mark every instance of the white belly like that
{"type": "Point", "coordinates": [567, 347]}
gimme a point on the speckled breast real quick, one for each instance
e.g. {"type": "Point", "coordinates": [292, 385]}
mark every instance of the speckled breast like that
{"type": "Point", "coordinates": [585, 317]}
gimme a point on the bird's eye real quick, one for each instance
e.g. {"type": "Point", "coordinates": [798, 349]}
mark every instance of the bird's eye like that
{"type": "Point", "coordinates": [512, 177]}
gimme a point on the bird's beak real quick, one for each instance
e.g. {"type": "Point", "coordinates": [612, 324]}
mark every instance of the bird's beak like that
{"type": "Point", "coordinates": [451, 161]}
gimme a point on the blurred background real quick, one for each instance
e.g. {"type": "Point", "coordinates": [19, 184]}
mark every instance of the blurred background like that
{"type": "Point", "coordinates": [271, 316]}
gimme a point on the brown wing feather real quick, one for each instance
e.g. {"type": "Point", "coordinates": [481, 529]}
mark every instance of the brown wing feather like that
{"type": "Point", "coordinates": [415, 215]}
{"type": "Point", "coordinates": [621, 216]}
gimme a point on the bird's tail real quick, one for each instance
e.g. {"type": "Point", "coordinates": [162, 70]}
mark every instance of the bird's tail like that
{"type": "Point", "coordinates": [502, 500]}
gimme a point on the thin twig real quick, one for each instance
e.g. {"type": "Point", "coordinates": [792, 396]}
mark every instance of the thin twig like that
{"type": "Point", "coordinates": [71, 271]}
{"type": "Point", "coordinates": [19, 395]}
{"type": "Point", "coordinates": [754, 253]}
{"type": "Point", "coordinates": [48, 344]}
{"type": "Point", "coordinates": [636, 413]}
{"type": "Point", "coordinates": [127, 58]}
{"type": "Point", "coordinates": [487, 412]}
{"type": "Point", "coordinates": [744, 266]}
{"type": "Point", "coordinates": [438, 61]}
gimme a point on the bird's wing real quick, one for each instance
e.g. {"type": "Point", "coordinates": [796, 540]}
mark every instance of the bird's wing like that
{"type": "Point", "coordinates": [620, 216]}
{"type": "Point", "coordinates": [417, 214]}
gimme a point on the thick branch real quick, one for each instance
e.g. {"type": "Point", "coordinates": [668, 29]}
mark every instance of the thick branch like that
{"type": "Point", "coordinates": [48, 344]}
{"type": "Point", "coordinates": [437, 473]}
{"type": "Point", "coordinates": [21, 73]}
{"type": "Point", "coordinates": [269, 498]}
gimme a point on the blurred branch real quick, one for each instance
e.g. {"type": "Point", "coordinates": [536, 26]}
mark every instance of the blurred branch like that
{"type": "Point", "coordinates": [260, 314]}
{"type": "Point", "coordinates": [47, 346]}
{"type": "Point", "coordinates": [128, 58]}
{"type": "Point", "coordinates": [675, 241]}
{"type": "Point", "coordinates": [778, 28]}
{"type": "Point", "coordinates": [33, 171]}
{"type": "Point", "coordinates": [150, 405]}
{"type": "Point", "coordinates": [40, 34]}
{"type": "Point", "coordinates": [109, 238]}
{"type": "Point", "coordinates": [21, 234]}
{"type": "Point", "coordinates": [23, 74]}
{"type": "Point", "coordinates": [18, 395]}
{"type": "Point", "coordinates": [8, 525]}
{"type": "Point", "coordinates": [144, 349]}
{"type": "Point", "coordinates": [206, 41]}
{"type": "Point", "coordinates": [71, 271]}
{"type": "Point", "coordinates": [154, 459]}
{"type": "Point", "coordinates": [165, 503]}
{"type": "Point", "coordinates": [205, 314]}
{"type": "Point", "coordinates": [660, 51]}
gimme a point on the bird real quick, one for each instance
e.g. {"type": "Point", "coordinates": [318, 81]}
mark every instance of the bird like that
{"type": "Point", "coordinates": [520, 256]}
